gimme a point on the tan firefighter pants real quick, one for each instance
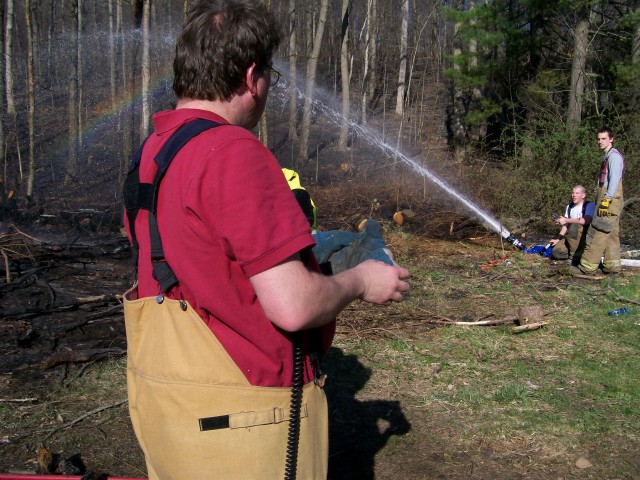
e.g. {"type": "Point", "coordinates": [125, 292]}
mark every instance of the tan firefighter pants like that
{"type": "Point", "coordinates": [572, 246]}
{"type": "Point", "coordinates": [178, 374]}
{"type": "Point", "coordinates": [603, 237]}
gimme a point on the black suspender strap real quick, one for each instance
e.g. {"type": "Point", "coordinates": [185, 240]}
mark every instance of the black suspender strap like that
{"type": "Point", "coordinates": [139, 195]}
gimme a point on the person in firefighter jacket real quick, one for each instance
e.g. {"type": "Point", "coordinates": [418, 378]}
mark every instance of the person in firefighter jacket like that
{"type": "Point", "coordinates": [603, 239]}
{"type": "Point", "coordinates": [229, 314]}
{"type": "Point", "coordinates": [569, 244]}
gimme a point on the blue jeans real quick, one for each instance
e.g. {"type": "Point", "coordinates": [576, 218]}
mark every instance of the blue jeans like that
{"type": "Point", "coordinates": [344, 250]}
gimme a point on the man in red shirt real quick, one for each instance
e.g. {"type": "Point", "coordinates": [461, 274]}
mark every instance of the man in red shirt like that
{"type": "Point", "coordinates": [212, 358]}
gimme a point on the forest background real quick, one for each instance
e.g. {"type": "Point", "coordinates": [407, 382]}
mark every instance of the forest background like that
{"type": "Point", "coordinates": [516, 88]}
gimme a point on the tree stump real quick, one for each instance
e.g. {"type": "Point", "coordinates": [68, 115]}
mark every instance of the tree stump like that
{"type": "Point", "coordinates": [528, 315]}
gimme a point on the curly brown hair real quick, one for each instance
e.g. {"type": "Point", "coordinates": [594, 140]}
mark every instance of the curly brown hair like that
{"type": "Point", "coordinates": [220, 39]}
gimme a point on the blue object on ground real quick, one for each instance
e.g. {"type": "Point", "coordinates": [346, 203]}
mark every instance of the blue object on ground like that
{"type": "Point", "coordinates": [619, 311]}
{"type": "Point", "coordinates": [543, 250]}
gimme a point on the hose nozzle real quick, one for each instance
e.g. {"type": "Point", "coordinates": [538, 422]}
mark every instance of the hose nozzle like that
{"type": "Point", "coordinates": [511, 238]}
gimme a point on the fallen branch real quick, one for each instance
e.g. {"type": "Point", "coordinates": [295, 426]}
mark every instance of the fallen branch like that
{"type": "Point", "coordinates": [441, 320]}
{"type": "Point", "coordinates": [528, 327]}
{"type": "Point", "coordinates": [18, 400]}
{"type": "Point", "coordinates": [6, 265]}
{"type": "Point", "coordinates": [624, 299]}
{"type": "Point", "coordinates": [13, 438]}
{"type": "Point", "coordinates": [109, 297]}
{"type": "Point", "coordinates": [82, 417]}
{"type": "Point", "coordinates": [480, 323]}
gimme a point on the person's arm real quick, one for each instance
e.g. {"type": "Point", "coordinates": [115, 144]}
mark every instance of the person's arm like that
{"type": "Point", "coordinates": [565, 220]}
{"type": "Point", "coordinates": [589, 212]}
{"type": "Point", "coordinates": [561, 235]}
{"type": "Point", "coordinates": [616, 165]}
{"type": "Point", "coordinates": [295, 298]}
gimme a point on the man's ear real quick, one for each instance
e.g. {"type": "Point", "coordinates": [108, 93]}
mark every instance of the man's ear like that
{"type": "Point", "coordinates": [251, 79]}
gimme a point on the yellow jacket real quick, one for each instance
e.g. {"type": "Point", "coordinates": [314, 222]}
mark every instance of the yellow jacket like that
{"type": "Point", "coordinates": [303, 197]}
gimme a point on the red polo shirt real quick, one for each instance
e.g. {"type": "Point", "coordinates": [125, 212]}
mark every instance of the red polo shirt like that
{"type": "Point", "coordinates": [225, 213]}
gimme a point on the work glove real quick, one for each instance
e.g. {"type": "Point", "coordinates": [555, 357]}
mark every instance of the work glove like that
{"type": "Point", "coordinates": [603, 209]}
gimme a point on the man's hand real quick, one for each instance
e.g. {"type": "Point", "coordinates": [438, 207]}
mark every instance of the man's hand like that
{"type": "Point", "coordinates": [603, 209]}
{"type": "Point", "coordinates": [553, 242]}
{"type": "Point", "coordinates": [383, 283]}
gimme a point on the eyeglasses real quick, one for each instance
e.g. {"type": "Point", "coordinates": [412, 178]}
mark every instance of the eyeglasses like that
{"type": "Point", "coordinates": [275, 75]}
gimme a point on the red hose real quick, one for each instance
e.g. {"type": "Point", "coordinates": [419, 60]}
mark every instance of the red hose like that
{"type": "Point", "coordinates": [34, 476]}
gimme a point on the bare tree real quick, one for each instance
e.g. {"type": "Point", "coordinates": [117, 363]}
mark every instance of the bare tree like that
{"type": "Point", "coordinates": [80, 92]}
{"type": "Point", "coordinates": [112, 54]}
{"type": "Point", "coordinates": [3, 176]}
{"type": "Point", "coordinates": [368, 69]}
{"type": "Point", "coordinates": [146, 69]}
{"type": "Point", "coordinates": [635, 44]}
{"type": "Point", "coordinates": [404, 46]}
{"type": "Point", "coordinates": [293, 54]}
{"type": "Point", "coordinates": [50, 33]}
{"type": "Point", "coordinates": [312, 65]}
{"type": "Point", "coordinates": [74, 102]}
{"type": "Point", "coordinates": [126, 116]}
{"type": "Point", "coordinates": [478, 131]}
{"type": "Point", "coordinates": [8, 58]}
{"type": "Point", "coordinates": [263, 130]}
{"type": "Point", "coordinates": [373, 47]}
{"type": "Point", "coordinates": [578, 65]}
{"type": "Point", "coordinates": [344, 74]}
{"type": "Point", "coordinates": [32, 102]}
{"type": "Point", "coordinates": [456, 115]}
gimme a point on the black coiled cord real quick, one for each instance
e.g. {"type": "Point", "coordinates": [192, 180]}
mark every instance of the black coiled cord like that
{"type": "Point", "coordinates": [291, 463]}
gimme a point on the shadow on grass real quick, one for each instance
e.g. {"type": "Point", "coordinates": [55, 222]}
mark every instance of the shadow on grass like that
{"type": "Point", "coordinates": [358, 430]}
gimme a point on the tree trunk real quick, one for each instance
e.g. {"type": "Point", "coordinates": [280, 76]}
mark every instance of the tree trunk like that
{"type": "Point", "coordinates": [72, 158]}
{"type": "Point", "coordinates": [4, 181]}
{"type": "Point", "coordinates": [344, 73]}
{"type": "Point", "coordinates": [50, 35]}
{"type": "Point", "coordinates": [74, 103]}
{"type": "Point", "coordinates": [635, 45]}
{"type": "Point", "coordinates": [146, 70]}
{"type": "Point", "coordinates": [456, 115]}
{"type": "Point", "coordinates": [112, 56]}
{"type": "Point", "coordinates": [8, 59]}
{"type": "Point", "coordinates": [402, 72]}
{"type": "Point", "coordinates": [32, 102]}
{"type": "Point", "coordinates": [365, 61]}
{"type": "Point", "coordinates": [80, 91]}
{"type": "Point", "coordinates": [35, 37]}
{"type": "Point", "coordinates": [476, 131]}
{"type": "Point", "coordinates": [293, 54]}
{"type": "Point", "coordinates": [126, 116]}
{"type": "Point", "coordinates": [263, 132]}
{"type": "Point", "coordinates": [312, 65]}
{"type": "Point", "coordinates": [578, 65]}
{"type": "Point", "coordinates": [373, 48]}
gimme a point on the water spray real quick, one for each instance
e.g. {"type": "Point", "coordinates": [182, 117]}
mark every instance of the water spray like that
{"type": "Point", "coordinates": [374, 138]}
